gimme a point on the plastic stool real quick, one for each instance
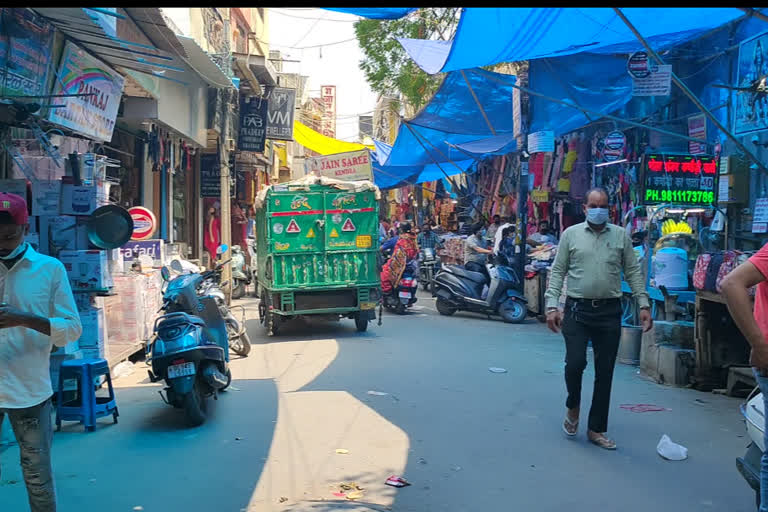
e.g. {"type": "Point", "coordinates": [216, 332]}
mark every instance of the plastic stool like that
{"type": "Point", "coordinates": [85, 371]}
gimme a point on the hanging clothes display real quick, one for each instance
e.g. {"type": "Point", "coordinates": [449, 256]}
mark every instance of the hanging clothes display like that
{"type": "Point", "coordinates": [581, 175]}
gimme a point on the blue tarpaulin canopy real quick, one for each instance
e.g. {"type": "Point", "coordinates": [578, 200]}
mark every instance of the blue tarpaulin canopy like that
{"type": "Point", "coordinates": [380, 13]}
{"type": "Point", "coordinates": [390, 176]}
{"type": "Point", "coordinates": [487, 36]}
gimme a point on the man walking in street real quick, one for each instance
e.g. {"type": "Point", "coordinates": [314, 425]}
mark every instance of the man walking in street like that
{"type": "Point", "coordinates": [37, 311]}
{"type": "Point", "coordinates": [593, 255]}
{"type": "Point", "coordinates": [754, 327]}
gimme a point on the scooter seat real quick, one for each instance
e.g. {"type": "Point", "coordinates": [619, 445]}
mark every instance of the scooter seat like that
{"type": "Point", "coordinates": [475, 277]}
{"type": "Point", "coordinates": [179, 318]}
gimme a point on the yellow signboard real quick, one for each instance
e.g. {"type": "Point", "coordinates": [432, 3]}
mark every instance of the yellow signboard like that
{"type": "Point", "coordinates": [334, 233]}
{"type": "Point", "coordinates": [364, 241]}
{"type": "Point", "coordinates": [311, 233]}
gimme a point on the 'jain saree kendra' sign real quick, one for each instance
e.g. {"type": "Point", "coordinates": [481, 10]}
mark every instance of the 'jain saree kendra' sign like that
{"type": "Point", "coordinates": [352, 166]}
{"type": "Point", "coordinates": [93, 115]}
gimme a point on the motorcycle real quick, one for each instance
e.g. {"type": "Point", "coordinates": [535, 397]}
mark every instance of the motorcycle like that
{"type": "Point", "coordinates": [749, 464]}
{"type": "Point", "coordinates": [429, 266]}
{"type": "Point", "coordinates": [241, 275]}
{"type": "Point", "coordinates": [403, 295]}
{"type": "Point", "coordinates": [239, 341]}
{"type": "Point", "coordinates": [458, 289]}
{"type": "Point", "coordinates": [189, 349]}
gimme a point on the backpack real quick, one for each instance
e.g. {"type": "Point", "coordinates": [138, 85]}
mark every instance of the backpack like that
{"type": "Point", "coordinates": [710, 280]}
{"type": "Point", "coordinates": [700, 271]}
{"type": "Point", "coordinates": [730, 262]}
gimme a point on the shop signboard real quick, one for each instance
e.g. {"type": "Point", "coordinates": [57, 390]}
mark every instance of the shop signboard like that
{"type": "Point", "coordinates": [760, 216]}
{"type": "Point", "coordinates": [253, 124]}
{"type": "Point", "coordinates": [541, 142]}
{"type": "Point", "coordinates": [25, 51]}
{"type": "Point", "coordinates": [613, 146]}
{"type": "Point", "coordinates": [210, 175]}
{"type": "Point", "coordinates": [328, 121]}
{"type": "Point", "coordinates": [152, 248]}
{"type": "Point", "coordinates": [751, 112]}
{"type": "Point", "coordinates": [144, 223]}
{"type": "Point", "coordinates": [688, 180]}
{"type": "Point", "coordinates": [351, 166]}
{"type": "Point", "coordinates": [697, 128]}
{"type": "Point", "coordinates": [657, 83]}
{"type": "Point", "coordinates": [639, 65]}
{"type": "Point", "coordinates": [282, 104]}
{"type": "Point", "coordinates": [80, 73]}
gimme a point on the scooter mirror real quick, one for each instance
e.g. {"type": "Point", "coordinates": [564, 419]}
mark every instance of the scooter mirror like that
{"type": "Point", "coordinates": [165, 273]}
{"type": "Point", "coordinates": [177, 267]}
{"type": "Point", "coordinates": [222, 249]}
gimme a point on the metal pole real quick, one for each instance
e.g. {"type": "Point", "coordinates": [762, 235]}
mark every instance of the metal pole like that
{"type": "Point", "coordinates": [224, 199]}
{"type": "Point", "coordinates": [755, 13]}
{"type": "Point", "coordinates": [482, 110]}
{"type": "Point", "coordinates": [690, 94]}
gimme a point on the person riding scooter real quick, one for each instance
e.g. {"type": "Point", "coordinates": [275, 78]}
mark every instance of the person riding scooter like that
{"type": "Point", "coordinates": [404, 259]}
{"type": "Point", "coordinates": [476, 250]}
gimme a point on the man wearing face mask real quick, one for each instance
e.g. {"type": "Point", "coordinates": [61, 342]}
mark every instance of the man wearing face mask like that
{"type": "Point", "coordinates": [37, 311]}
{"type": "Point", "coordinates": [593, 255]}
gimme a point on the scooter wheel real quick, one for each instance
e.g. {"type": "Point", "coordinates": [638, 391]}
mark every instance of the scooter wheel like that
{"type": "Point", "coordinates": [238, 292]}
{"type": "Point", "coordinates": [361, 323]}
{"type": "Point", "coordinates": [194, 406]}
{"type": "Point", "coordinates": [400, 308]}
{"type": "Point", "coordinates": [444, 308]}
{"type": "Point", "coordinates": [229, 380]}
{"type": "Point", "coordinates": [512, 311]}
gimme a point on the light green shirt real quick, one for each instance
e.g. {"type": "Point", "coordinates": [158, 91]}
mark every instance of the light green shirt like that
{"type": "Point", "coordinates": [593, 262]}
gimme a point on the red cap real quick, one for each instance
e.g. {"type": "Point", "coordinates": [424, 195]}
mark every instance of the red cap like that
{"type": "Point", "coordinates": [16, 206]}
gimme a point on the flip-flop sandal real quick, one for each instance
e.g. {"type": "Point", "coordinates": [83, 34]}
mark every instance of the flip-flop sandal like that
{"type": "Point", "coordinates": [572, 424]}
{"type": "Point", "coordinates": [603, 442]}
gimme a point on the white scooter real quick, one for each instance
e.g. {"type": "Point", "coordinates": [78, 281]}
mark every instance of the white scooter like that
{"type": "Point", "coordinates": [749, 465]}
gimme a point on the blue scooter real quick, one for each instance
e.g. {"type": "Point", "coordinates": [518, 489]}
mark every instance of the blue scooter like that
{"type": "Point", "coordinates": [190, 348]}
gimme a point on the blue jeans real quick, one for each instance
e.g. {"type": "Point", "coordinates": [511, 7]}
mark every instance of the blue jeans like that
{"type": "Point", "coordinates": [33, 429]}
{"type": "Point", "coordinates": [763, 383]}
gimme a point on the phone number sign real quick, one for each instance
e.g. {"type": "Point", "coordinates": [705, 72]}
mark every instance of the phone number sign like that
{"type": "Point", "coordinates": [687, 180]}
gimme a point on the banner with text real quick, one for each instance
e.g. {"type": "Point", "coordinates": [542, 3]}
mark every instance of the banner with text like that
{"type": "Point", "coordinates": [352, 166]}
{"type": "Point", "coordinates": [253, 124]}
{"type": "Point", "coordinates": [26, 51]}
{"type": "Point", "coordinates": [328, 121]}
{"type": "Point", "coordinates": [92, 115]}
{"type": "Point", "coordinates": [282, 103]}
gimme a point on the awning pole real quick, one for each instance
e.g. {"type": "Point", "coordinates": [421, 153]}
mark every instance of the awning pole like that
{"type": "Point", "coordinates": [753, 12]}
{"type": "Point", "coordinates": [482, 110]}
{"type": "Point", "coordinates": [690, 94]}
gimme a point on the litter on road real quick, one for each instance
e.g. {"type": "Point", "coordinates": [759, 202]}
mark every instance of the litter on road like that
{"type": "Point", "coordinates": [643, 408]}
{"type": "Point", "coordinates": [397, 481]}
{"type": "Point", "coordinates": [493, 369]}
{"type": "Point", "coordinates": [377, 393]}
{"type": "Point", "coordinates": [342, 451]}
{"type": "Point", "coordinates": [671, 451]}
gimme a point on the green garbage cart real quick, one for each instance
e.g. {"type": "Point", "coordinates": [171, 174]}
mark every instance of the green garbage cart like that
{"type": "Point", "coordinates": [317, 251]}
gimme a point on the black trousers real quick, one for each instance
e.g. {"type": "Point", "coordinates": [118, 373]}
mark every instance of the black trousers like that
{"type": "Point", "coordinates": [599, 321]}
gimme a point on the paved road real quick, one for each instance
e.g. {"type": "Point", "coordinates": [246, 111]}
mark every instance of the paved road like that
{"type": "Point", "coordinates": [468, 439]}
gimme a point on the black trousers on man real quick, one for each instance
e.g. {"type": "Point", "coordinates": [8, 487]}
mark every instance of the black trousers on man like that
{"type": "Point", "coordinates": [599, 321]}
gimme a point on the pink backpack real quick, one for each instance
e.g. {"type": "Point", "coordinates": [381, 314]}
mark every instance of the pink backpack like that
{"type": "Point", "coordinates": [700, 271]}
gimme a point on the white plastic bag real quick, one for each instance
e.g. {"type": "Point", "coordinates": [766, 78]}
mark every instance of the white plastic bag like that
{"type": "Point", "coordinates": [671, 451]}
{"type": "Point", "coordinates": [123, 369]}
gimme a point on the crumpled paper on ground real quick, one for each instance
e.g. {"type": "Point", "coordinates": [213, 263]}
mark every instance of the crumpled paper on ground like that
{"type": "Point", "coordinates": [671, 451]}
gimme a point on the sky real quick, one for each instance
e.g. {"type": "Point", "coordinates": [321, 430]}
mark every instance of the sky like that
{"type": "Point", "coordinates": [327, 65]}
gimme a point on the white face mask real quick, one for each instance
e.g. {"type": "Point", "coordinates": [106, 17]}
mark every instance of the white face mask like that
{"type": "Point", "coordinates": [597, 216]}
{"type": "Point", "coordinates": [16, 252]}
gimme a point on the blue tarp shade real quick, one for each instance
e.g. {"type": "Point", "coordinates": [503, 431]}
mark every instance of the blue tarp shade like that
{"type": "Point", "coordinates": [487, 36]}
{"type": "Point", "coordinates": [383, 13]}
{"type": "Point", "coordinates": [390, 176]}
{"type": "Point", "coordinates": [454, 110]}
{"type": "Point", "coordinates": [596, 82]}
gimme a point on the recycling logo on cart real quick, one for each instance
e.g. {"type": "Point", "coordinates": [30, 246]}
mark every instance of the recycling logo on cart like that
{"type": "Point", "coordinates": [293, 227]}
{"type": "Point", "coordinates": [348, 226]}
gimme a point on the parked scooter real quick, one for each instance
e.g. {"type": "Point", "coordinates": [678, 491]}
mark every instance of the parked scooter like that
{"type": "Point", "coordinates": [403, 295]}
{"type": "Point", "coordinates": [239, 342]}
{"type": "Point", "coordinates": [749, 465]}
{"type": "Point", "coordinates": [190, 347]}
{"type": "Point", "coordinates": [241, 274]}
{"type": "Point", "coordinates": [429, 267]}
{"type": "Point", "coordinates": [458, 289]}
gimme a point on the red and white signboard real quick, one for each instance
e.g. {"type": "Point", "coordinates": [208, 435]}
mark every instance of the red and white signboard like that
{"type": "Point", "coordinates": [697, 128]}
{"type": "Point", "coordinates": [293, 227]}
{"type": "Point", "coordinates": [328, 122]}
{"type": "Point", "coordinates": [144, 223]}
{"type": "Point", "coordinates": [348, 226]}
{"type": "Point", "coordinates": [351, 166]}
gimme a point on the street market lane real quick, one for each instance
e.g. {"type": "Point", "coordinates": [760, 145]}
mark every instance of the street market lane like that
{"type": "Point", "coordinates": [466, 438]}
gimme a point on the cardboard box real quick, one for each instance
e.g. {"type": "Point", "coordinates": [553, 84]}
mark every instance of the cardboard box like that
{"type": "Point", "coordinates": [83, 200]}
{"type": "Point", "coordinates": [87, 270]}
{"type": "Point", "coordinates": [18, 187]}
{"type": "Point", "coordinates": [93, 321]}
{"type": "Point", "coordinates": [45, 197]}
{"type": "Point", "coordinates": [116, 262]}
{"type": "Point", "coordinates": [63, 233]}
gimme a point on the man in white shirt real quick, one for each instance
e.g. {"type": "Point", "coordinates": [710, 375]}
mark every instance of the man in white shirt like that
{"type": "Point", "coordinates": [37, 311]}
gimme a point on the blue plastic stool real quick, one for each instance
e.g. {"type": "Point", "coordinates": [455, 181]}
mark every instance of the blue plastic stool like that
{"type": "Point", "coordinates": [90, 407]}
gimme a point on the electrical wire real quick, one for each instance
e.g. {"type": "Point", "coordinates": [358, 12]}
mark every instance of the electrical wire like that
{"type": "Point", "coordinates": [280, 12]}
{"type": "Point", "coordinates": [315, 45]}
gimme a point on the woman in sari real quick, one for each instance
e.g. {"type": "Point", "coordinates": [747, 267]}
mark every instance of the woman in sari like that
{"type": "Point", "coordinates": [405, 252]}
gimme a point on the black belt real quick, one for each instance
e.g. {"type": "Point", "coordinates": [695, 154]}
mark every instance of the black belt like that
{"type": "Point", "coordinates": [595, 303]}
